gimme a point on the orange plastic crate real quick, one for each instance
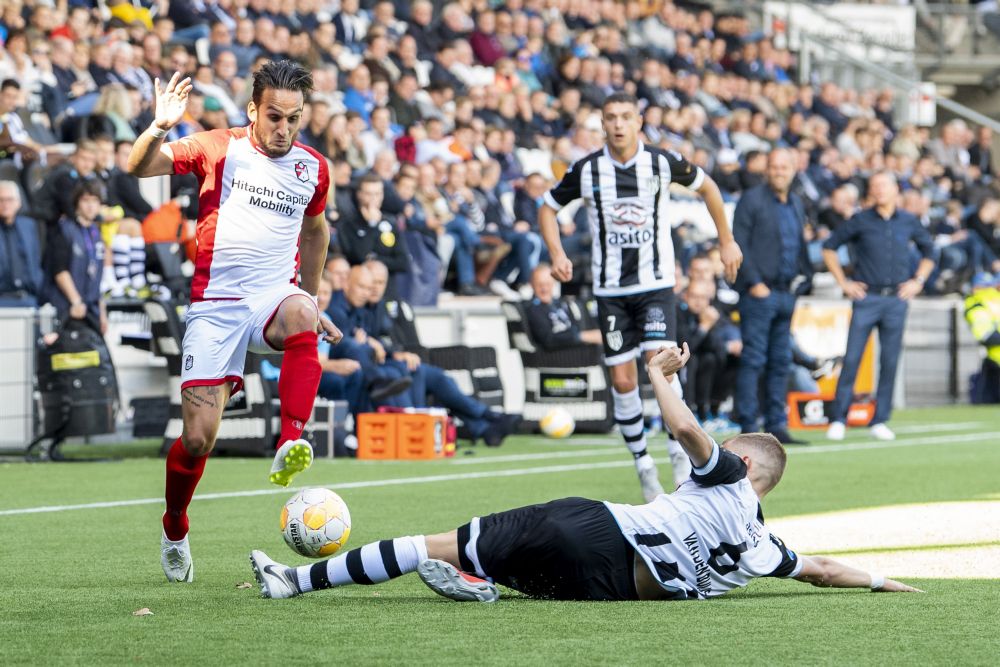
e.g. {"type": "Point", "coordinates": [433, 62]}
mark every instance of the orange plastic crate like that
{"type": "Point", "coordinates": [420, 436]}
{"type": "Point", "coordinates": [377, 435]}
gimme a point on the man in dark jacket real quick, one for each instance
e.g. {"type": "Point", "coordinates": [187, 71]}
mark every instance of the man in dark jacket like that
{"type": "Point", "coordinates": [370, 234]}
{"type": "Point", "coordinates": [55, 197]}
{"type": "Point", "coordinates": [702, 327]}
{"type": "Point", "coordinates": [20, 255]}
{"type": "Point", "coordinates": [881, 286]}
{"type": "Point", "coordinates": [74, 261]}
{"type": "Point", "coordinates": [384, 326]}
{"type": "Point", "coordinates": [551, 324]}
{"type": "Point", "coordinates": [348, 310]}
{"type": "Point", "coordinates": [768, 225]}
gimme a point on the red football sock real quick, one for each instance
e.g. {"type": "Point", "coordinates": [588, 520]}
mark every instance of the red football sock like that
{"type": "Point", "coordinates": [298, 383]}
{"type": "Point", "coordinates": [183, 473]}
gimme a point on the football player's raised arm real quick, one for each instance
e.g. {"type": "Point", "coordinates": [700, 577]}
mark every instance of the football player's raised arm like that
{"type": "Point", "coordinates": [675, 412]}
{"type": "Point", "coordinates": [150, 156]}
{"type": "Point", "coordinates": [313, 245]}
{"type": "Point", "coordinates": [828, 573]}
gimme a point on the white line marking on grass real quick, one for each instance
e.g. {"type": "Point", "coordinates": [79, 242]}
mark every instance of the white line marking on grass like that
{"type": "Point", "coordinates": [983, 438]}
{"type": "Point", "coordinates": [879, 444]}
{"type": "Point", "coordinates": [931, 428]}
{"type": "Point", "coordinates": [578, 441]}
{"type": "Point", "coordinates": [452, 477]}
{"type": "Point", "coordinates": [532, 457]}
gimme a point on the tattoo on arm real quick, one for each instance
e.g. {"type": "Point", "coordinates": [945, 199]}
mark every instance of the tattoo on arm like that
{"type": "Point", "coordinates": [199, 401]}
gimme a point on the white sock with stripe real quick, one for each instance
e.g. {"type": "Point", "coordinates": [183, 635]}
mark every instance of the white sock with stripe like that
{"type": "Point", "coordinates": [371, 564]}
{"type": "Point", "coordinates": [137, 261]}
{"type": "Point", "coordinates": [121, 249]}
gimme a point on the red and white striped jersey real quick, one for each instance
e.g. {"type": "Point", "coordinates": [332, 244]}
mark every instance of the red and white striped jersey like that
{"type": "Point", "coordinates": [250, 211]}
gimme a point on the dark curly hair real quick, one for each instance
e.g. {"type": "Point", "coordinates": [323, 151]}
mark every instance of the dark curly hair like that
{"type": "Point", "coordinates": [281, 75]}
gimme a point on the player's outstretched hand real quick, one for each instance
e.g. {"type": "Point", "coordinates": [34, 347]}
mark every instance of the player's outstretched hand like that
{"type": "Point", "coordinates": [669, 360]}
{"type": "Point", "coordinates": [328, 330]}
{"type": "Point", "coordinates": [893, 586]}
{"type": "Point", "coordinates": [562, 269]}
{"type": "Point", "coordinates": [732, 258]}
{"type": "Point", "coordinates": [171, 100]}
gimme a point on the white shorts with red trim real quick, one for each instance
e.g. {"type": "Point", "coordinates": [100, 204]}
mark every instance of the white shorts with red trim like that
{"type": "Point", "coordinates": [219, 334]}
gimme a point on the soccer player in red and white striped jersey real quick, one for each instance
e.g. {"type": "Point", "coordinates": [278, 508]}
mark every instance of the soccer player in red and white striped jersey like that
{"type": "Point", "coordinates": [260, 224]}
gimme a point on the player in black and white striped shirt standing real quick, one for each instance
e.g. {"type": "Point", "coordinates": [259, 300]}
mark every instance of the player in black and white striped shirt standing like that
{"type": "Point", "coordinates": [624, 187]}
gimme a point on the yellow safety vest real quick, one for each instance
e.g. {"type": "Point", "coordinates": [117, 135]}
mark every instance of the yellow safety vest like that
{"type": "Point", "coordinates": [982, 312]}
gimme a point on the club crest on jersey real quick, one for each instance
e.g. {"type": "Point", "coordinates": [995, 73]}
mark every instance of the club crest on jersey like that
{"type": "Point", "coordinates": [188, 362]}
{"type": "Point", "coordinates": [628, 212]}
{"type": "Point", "coordinates": [302, 171]}
{"type": "Point", "coordinates": [614, 340]}
{"type": "Point", "coordinates": [653, 185]}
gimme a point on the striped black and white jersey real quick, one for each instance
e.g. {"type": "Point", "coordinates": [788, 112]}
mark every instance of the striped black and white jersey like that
{"type": "Point", "coordinates": [707, 537]}
{"type": "Point", "coordinates": [626, 203]}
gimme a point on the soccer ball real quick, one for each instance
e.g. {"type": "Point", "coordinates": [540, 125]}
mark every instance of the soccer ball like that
{"type": "Point", "coordinates": [315, 522]}
{"type": "Point", "coordinates": [557, 423]}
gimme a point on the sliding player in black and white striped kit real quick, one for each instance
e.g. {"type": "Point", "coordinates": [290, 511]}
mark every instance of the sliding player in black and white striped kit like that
{"type": "Point", "coordinates": [706, 538]}
{"type": "Point", "coordinates": [624, 187]}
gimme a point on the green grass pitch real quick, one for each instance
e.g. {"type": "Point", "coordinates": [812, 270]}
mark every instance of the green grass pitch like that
{"type": "Point", "coordinates": [70, 579]}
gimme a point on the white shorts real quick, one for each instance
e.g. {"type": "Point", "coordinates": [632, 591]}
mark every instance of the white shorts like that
{"type": "Point", "coordinates": [219, 334]}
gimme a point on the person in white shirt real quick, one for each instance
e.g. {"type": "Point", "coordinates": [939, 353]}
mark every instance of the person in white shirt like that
{"type": "Point", "coordinates": [380, 137]}
{"type": "Point", "coordinates": [704, 539]}
{"type": "Point", "coordinates": [261, 225]}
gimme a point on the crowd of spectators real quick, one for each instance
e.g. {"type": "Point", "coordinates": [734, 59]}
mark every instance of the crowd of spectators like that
{"type": "Point", "coordinates": [445, 124]}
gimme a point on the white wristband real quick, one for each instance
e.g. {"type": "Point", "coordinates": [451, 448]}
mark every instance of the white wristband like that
{"type": "Point", "coordinates": [157, 133]}
{"type": "Point", "coordinates": [878, 581]}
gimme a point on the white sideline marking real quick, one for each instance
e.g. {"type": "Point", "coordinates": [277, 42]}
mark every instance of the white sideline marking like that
{"type": "Point", "coordinates": [534, 457]}
{"type": "Point", "coordinates": [984, 438]}
{"type": "Point", "coordinates": [880, 444]}
{"type": "Point", "coordinates": [931, 428]}
{"type": "Point", "coordinates": [517, 472]}
{"type": "Point", "coordinates": [615, 439]}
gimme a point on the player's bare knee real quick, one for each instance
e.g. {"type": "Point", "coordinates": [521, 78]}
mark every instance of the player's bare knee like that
{"type": "Point", "coordinates": [198, 443]}
{"type": "Point", "coordinates": [298, 315]}
{"type": "Point", "coordinates": [623, 385]}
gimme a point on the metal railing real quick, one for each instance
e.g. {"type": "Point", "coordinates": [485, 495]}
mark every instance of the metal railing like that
{"type": "Point", "coordinates": [814, 48]}
{"type": "Point", "coordinates": [958, 30]}
{"type": "Point", "coordinates": [755, 10]}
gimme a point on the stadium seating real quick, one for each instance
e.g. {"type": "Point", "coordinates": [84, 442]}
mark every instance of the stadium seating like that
{"type": "Point", "coordinates": [574, 379]}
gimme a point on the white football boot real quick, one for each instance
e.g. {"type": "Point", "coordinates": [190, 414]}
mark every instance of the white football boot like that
{"type": "Point", "coordinates": [276, 581]}
{"type": "Point", "coordinates": [649, 479]}
{"type": "Point", "coordinates": [679, 461]}
{"type": "Point", "coordinates": [176, 560]}
{"type": "Point", "coordinates": [448, 581]}
{"type": "Point", "coordinates": [291, 458]}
